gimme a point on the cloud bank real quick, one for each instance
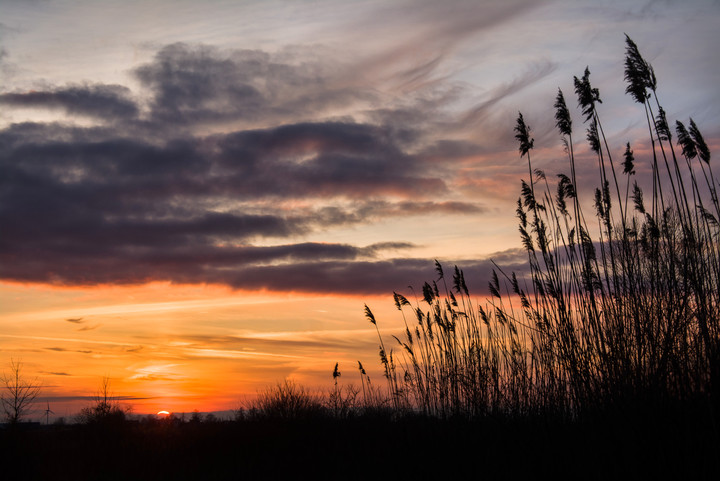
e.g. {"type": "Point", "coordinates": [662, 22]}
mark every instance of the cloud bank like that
{"type": "Point", "coordinates": [215, 173]}
{"type": "Point", "coordinates": [230, 166]}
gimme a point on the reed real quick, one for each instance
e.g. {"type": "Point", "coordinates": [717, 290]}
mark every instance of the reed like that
{"type": "Point", "coordinates": [620, 309]}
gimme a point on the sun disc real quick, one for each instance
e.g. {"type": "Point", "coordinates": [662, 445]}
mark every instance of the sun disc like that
{"type": "Point", "coordinates": [163, 413]}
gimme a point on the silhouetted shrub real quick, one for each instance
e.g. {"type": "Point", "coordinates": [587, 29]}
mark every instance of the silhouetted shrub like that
{"type": "Point", "coordinates": [288, 401]}
{"type": "Point", "coordinates": [105, 411]}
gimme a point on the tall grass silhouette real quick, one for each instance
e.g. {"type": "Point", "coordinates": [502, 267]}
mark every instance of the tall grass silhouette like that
{"type": "Point", "coordinates": [620, 307]}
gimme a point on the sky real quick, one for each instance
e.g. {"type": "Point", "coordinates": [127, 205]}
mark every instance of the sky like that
{"type": "Point", "coordinates": [198, 198]}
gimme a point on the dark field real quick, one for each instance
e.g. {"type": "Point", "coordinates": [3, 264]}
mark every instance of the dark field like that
{"type": "Point", "coordinates": [624, 446]}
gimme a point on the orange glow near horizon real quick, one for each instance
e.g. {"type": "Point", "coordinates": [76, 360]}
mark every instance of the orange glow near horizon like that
{"type": "Point", "coordinates": [183, 348]}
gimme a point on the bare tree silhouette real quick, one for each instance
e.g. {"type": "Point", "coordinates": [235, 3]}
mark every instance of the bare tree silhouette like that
{"type": "Point", "coordinates": [18, 393]}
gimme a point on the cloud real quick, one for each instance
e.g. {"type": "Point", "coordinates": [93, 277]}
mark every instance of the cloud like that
{"type": "Point", "coordinates": [535, 72]}
{"type": "Point", "coordinates": [328, 159]}
{"type": "Point", "coordinates": [276, 347]}
{"type": "Point", "coordinates": [120, 210]}
{"type": "Point", "coordinates": [78, 320]}
{"type": "Point", "coordinates": [276, 342]}
{"type": "Point", "coordinates": [156, 377]}
{"type": "Point", "coordinates": [205, 85]}
{"type": "Point", "coordinates": [188, 264]}
{"type": "Point", "coordinates": [380, 209]}
{"type": "Point", "coordinates": [156, 372]}
{"type": "Point", "coordinates": [358, 277]}
{"type": "Point", "coordinates": [88, 328]}
{"type": "Point", "coordinates": [424, 33]}
{"type": "Point", "coordinates": [62, 349]}
{"type": "Point", "coordinates": [92, 399]}
{"type": "Point", "coordinates": [99, 101]}
{"type": "Point", "coordinates": [158, 196]}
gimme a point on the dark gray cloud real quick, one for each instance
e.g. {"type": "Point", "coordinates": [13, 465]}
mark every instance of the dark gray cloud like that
{"type": "Point", "coordinates": [147, 197]}
{"type": "Point", "coordinates": [367, 276]}
{"type": "Point", "coordinates": [101, 101]}
{"type": "Point", "coordinates": [321, 159]}
{"type": "Point", "coordinates": [201, 84]}
{"type": "Point", "coordinates": [111, 263]}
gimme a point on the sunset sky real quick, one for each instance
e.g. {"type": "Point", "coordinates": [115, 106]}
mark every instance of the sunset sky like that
{"type": "Point", "coordinates": [197, 198]}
